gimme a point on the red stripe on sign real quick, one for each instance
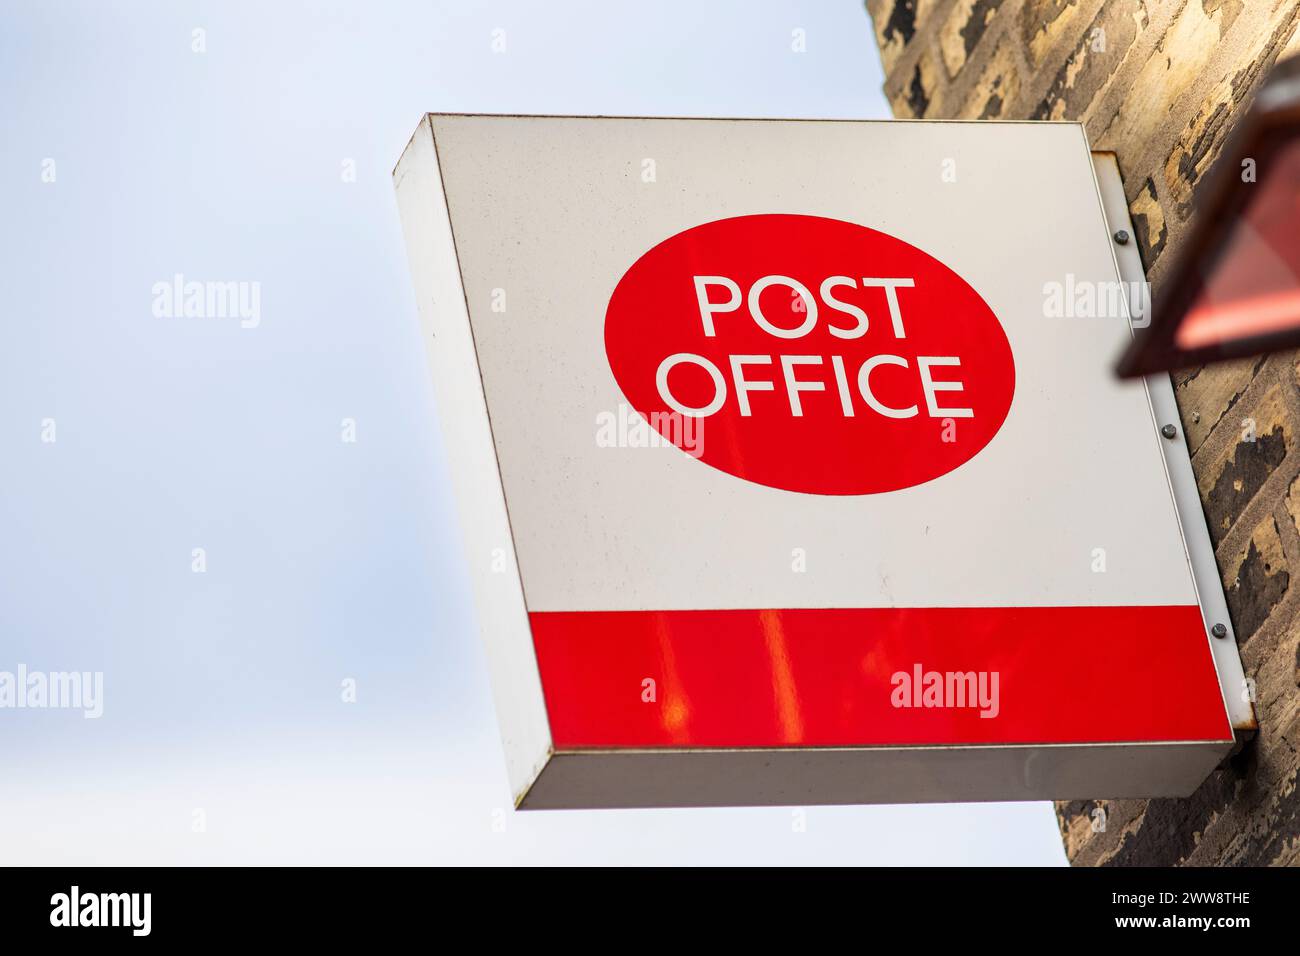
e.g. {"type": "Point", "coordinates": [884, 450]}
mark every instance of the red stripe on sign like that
{"type": "Point", "coordinates": [816, 677]}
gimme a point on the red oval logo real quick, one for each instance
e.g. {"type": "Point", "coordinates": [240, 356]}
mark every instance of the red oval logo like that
{"type": "Point", "coordinates": [809, 354]}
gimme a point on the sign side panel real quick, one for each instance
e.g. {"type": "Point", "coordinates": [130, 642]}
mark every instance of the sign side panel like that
{"type": "Point", "coordinates": [812, 777]}
{"type": "Point", "coordinates": [1182, 480]}
{"type": "Point", "coordinates": [489, 545]}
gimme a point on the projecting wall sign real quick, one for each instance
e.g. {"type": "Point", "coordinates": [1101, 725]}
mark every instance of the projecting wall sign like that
{"type": "Point", "coordinates": [787, 478]}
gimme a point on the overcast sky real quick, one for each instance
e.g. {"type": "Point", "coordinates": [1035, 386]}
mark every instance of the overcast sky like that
{"type": "Point", "coordinates": [129, 157]}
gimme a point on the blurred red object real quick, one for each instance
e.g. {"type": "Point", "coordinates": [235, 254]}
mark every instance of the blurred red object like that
{"type": "Point", "coordinates": [1234, 288]}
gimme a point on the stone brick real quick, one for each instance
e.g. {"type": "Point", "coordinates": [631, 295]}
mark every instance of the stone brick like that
{"type": "Point", "coordinates": [998, 85]}
{"type": "Point", "coordinates": [1203, 137]}
{"type": "Point", "coordinates": [1274, 840]}
{"type": "Point", "coordinates": [1181, 57]}
{"type": "Point", "coordinates": [1197, 146]}
{"type": "Point", "coordinates": [1104, 43]}
{"type": "Point", "coordinates": [962, 30]}
{"type": "Point", "coordinates": [1169, 831]}
{"type": "Point", "coordinates": [915, 96]}
{"type": "Point", "coordinates": [1258, 582]}
{"type": "Point", "coordinates": [895, 23]}
{"type": "Point", "coordinates": [1292, 46]}
{"type": "Point", "coordinates": [1293, 502]}
{"type": "Point", "coordinates": [1044, 23]}
{"type": "Point", "coordinates": [1231, 9]}
{"type": "Point", "coordinates": [1229, 482]}
{"type": "Point", "coordinates": [1149, 222]}
{"type": "Point", "coordinates": [1207, 394]}
{"type": "Point", "coordinates": [1075, 820]}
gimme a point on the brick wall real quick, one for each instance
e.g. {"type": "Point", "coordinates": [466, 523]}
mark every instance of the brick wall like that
{"type": "Point", "coordinates": [1160, 82]}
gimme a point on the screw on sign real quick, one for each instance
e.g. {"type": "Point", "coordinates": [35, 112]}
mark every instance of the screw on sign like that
{"type": "Point", "coordinates": [821, 356]}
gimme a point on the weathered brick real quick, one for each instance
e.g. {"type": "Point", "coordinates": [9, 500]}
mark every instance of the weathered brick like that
{"type": "Point", "coordinates": [1198, 145]}
{"type": "Point", "coordinates": [1291, 47]}
{"type": "Point", "coordinates": [1280, 843]}
{"type": "Point", "coordinates": [962, 30]}
{"type": "Point", "coordinates": [1149, 222]}
{"type": "Point", "coordinates": [1259, 580]}
{"type": "Point", "coordinates": [1169, 831]}
{"type": "Point", "coordinates": [998, 85]}
{"type": "Point", "coordinates": [1075, 820]}
{"type": "Point", "coordinates": [1293, 502]}
{"type": "Point", "coordinates": [1045, 23]}
{"type": "Point", "coordinates": [895, 23]}
{"type": "Point", "coordinates": [1105, 42]}
{"type": "Point", "coordinates": [1208, 393]}
{"type": "Point", "coordinates": [915, 96]}
{"type": "Point", "coordinates": [1231, 9]}
{"type": "Point", "coordinates": [1229, 482]}
{"type": "Point", "coordinates": [1181, 57]}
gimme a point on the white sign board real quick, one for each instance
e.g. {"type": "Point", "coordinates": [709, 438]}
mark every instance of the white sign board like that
{"type": "Point", "coordinates": [792, 470]}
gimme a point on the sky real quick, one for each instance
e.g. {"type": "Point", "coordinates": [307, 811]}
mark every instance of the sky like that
{"type": "Point", "coordinates": [177, 510]}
